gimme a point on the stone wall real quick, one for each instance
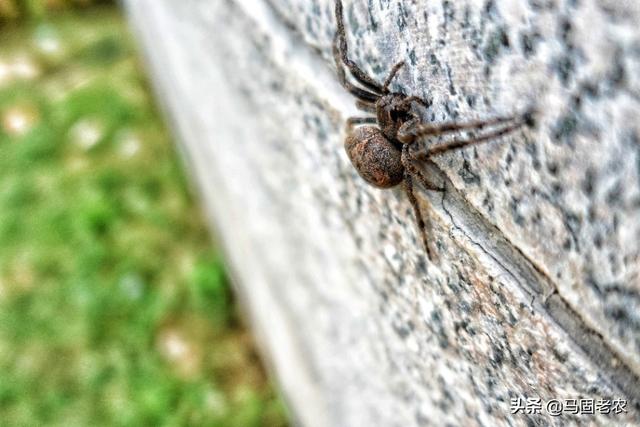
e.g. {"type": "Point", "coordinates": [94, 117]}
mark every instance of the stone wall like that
{"type": "Point", "coordinates": [536, 291]}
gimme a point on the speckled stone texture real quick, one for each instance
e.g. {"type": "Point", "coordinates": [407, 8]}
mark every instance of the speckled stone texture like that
{"type": "Point", "coordinates": [537, 289]}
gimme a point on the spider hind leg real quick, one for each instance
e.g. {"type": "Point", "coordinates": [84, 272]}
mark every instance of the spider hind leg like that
{"type": "Point", "coordinates": [412, 171]}
{"type": "Point", "coordinates": [354, 121]}
{"type": "Point", "coordinates": [462, 142]}
{"type": "Point", "coordinates": [420, 220]}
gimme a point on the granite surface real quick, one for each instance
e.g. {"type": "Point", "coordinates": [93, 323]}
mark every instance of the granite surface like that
{"type": "Point", "coordinates": [536, 292]}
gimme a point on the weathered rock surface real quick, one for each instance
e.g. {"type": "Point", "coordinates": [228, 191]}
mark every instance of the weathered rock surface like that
{"type": "Point", "coordinates": [537, 291]}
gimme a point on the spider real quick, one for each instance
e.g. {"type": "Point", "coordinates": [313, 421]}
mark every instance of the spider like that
{"type": "Point", "coordinates": [379, 150]}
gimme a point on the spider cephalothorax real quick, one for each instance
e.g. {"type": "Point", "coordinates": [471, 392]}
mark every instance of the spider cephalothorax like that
{"type": "Point", "coordinates": [378, 146]}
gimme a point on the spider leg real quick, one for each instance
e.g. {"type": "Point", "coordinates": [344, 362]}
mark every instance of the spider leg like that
{"type": "Point", "coordinates": [441, 128]}
{"type": "Point", "coordinates": [410, 99]}
{"type": "Point", "coordinates": [359, 93]}
{"type": "Point", "coordinates": [353, 121]}
{"type": "Point", "coordinates": [463, 142]}
{"type": "Point", "coordinates": [408, 161]}
{"type": "Point", "coordinates": [392, 74]}
{"type": "Point", "coordinates": [415, 121]}
{"type": "Point", "coordinates": [412, 171]}
{"type": "Point", "coordinates": [340, 45]}
{"type": "Point", "coordinates": [408, 188]}
{"type": "Point", "coordinates": [366, 106]}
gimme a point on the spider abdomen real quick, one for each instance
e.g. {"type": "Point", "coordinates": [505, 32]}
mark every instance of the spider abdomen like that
{"type": "Point", "coordinates": [375, 158]}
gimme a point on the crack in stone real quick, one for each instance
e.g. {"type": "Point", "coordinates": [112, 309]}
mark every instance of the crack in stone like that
{"type": "Point", "coordinates": [482, 248]}
{"type": "Point", "coordinates": [465, 218]}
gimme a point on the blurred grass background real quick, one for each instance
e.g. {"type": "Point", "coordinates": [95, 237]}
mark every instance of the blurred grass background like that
{"type": "Point", "coordinates": [114, 306]}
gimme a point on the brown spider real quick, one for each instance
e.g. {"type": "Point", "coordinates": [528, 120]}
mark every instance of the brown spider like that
{"type": "Point", "coordinates": [380, 153]}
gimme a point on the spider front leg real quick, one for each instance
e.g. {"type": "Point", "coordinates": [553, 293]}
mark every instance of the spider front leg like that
{"type": "Point", "coordinates": [341, 48]}
{"type": "Point", "coordinates": [407, 101]}
{"type": "Point", "coordinates": [390, 77]}
{"type": "Point", "coordinates": [359, 93]}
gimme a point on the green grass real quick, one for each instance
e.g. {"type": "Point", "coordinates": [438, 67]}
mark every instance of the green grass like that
{"type": "Point", "coordinates": [114, 307]}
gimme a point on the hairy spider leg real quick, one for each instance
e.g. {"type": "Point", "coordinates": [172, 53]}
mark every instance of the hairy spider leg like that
{"type": "Point", "coordinates": [442, 128]}
{"type": "Point", "coordinates": [392, 74]}
{"type": "Point", "coordinates": [340, 42]}
{"type": "Point", "coordinates": [366, 106]}
{"type": "Point", "coordinates": [411, 171]}
{"type": "Point", "coordinates": [359, 93]}
{"type": "Point", "coordinates": [370, 107]}
{"type": "Point", "coordinates": [408, 188]}
{"type": "Point", "coordinates": [408, 100]}
{"type": "Point", "coordinates": [426, 152]}
{"type": "Point", "coordinates": [408, 163]}
{"type": "Point", "coordinates": [353, 121]}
